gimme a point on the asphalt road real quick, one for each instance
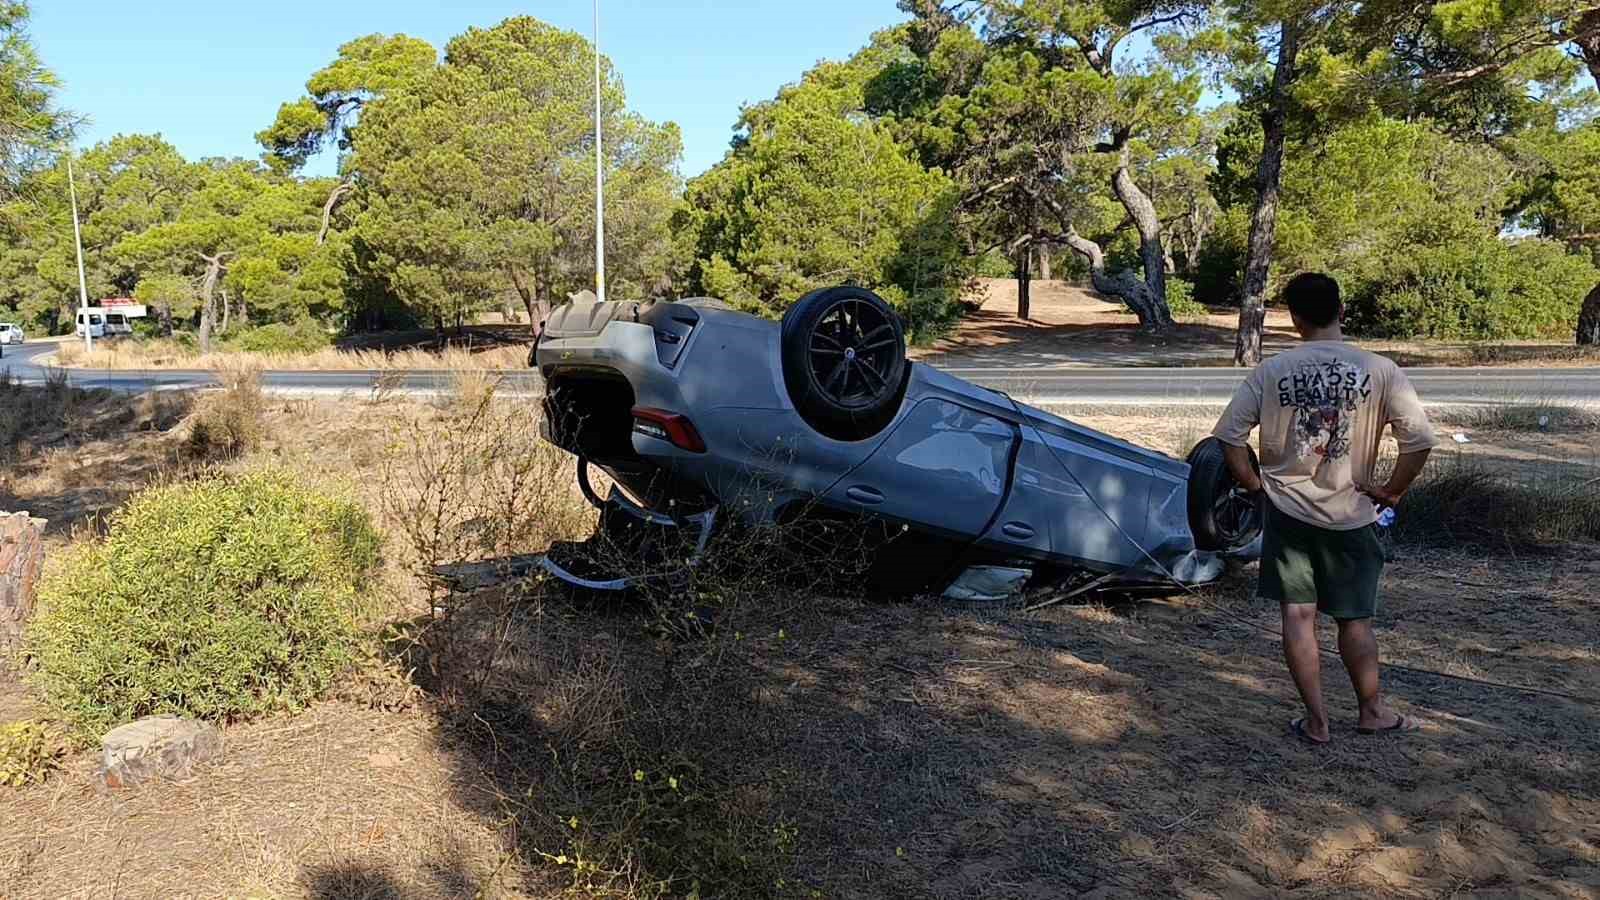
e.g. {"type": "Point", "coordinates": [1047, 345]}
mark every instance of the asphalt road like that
{"type": "Point", "coordinates": [1052, 385]}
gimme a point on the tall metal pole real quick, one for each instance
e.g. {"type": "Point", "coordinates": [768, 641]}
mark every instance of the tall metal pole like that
{"type": "Point", "coordinates": [77, 240]}
{"type": "Point", "coordinates": [599, 174]}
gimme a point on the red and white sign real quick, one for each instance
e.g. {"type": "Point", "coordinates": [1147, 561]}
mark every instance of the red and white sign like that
{"type": "Point", "coordinates": [128, 306]}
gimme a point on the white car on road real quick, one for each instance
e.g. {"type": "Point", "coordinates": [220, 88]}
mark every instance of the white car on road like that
{"type": "Point", "coordinates": [10, 333]}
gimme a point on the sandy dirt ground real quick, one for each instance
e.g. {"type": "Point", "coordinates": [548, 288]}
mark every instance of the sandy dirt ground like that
{"type": "Point", "coordinates": [1072, 326]}
{"type": "Point", "coordinates": [1115, 748]}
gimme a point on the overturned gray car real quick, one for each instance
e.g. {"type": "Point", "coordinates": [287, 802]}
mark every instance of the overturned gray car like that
{"type": "Point", "coordinates": [705, 418]}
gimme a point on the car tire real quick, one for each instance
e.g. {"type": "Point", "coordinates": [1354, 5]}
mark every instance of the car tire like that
{"type": "Point", "coordinates": [844, 361]}
{"type": "Point", "coordinates": [1220, 519]}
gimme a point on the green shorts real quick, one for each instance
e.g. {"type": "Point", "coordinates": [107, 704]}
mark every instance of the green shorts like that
{"type": "Point", "coordinates": [1336, 570]}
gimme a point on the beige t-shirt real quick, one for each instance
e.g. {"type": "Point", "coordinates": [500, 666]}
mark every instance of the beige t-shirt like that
{"type": "Point", "coordinates": [1322, 408]}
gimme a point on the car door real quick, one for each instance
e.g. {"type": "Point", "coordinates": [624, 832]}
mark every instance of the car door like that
{"type": "Point", "coordinates": [944, 468]}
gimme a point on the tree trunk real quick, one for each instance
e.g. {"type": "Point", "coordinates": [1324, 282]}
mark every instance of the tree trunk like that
{"type": "Point", "coordinates": [1589, 320]}
{"type": "Point", "coordinates": [1024, 256]}
{"type": "Point", "coordinates": [1124, 285]}
{"type": "Point", "coordinates": [1589, 44]}
{"type": "Point", "coordinates": [1044, 263]}
{"type": "Point", "coordinates": [227, 314]}
{"type": "Point", "coordinates": [530, 294]}
{"type": "Point", "coordinates": [1143, 213]}
{"type": "Point", "coordinates": [1194, 237]}
{"type": "Point", "coordinates": [208, 306]}
{"type": "Point", "coordinates": [164, 317]}
{"type": "Point", "coordinates": [1264, 216]}
{"type": "Point", "coordinates": [21, 560]}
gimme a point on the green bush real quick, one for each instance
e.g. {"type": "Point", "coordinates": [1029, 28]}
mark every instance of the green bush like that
{"type": "Point", "coordinates": [1181, 301]}
{"type": "Point", "coordinates": [218, 598]}
{"type": "Point", "coordinates": [303, 336]}
{"type": "Point", "coordinates": [1219, 267]}
{"type": "Point", "coordinates": [28, 753]}
{"type": "Point", "coordinates": [1487, 289]}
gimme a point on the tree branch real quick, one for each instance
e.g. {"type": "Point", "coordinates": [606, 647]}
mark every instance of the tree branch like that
{"type": "Point", "coordinates": [344, 187]}
{"type": "Point", "coordinates": [1117, 38]}
{"type": "Point", "coordinates": [1511, 51]}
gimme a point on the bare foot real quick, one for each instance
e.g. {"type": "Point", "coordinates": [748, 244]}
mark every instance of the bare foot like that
{"type": "Point", "coordinates": [1310, 731]}
{"type": "Point", "coordinates": [1379, 715]}
{"type": "Point", "coordinates": [1386, 721]}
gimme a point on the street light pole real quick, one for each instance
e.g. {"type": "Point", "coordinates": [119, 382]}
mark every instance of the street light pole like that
{"type": "Point", "coordinates": [599, 174]}
{"type": "Point", "coordinates": [77, 240]}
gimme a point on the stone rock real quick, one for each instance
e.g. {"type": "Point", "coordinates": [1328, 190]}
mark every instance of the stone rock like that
{"type": "Point", "coordinates": [155, 747]}
{"type": "Point", "coordinates": [21, 553]}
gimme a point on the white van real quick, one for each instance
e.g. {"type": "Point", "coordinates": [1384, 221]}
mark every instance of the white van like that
{"type": "Point", "coordinates": [92, 321]}
{"type": "Point", "coordinates": [104, 322]}
{"type": "Point", "coordinates": [10, 333]}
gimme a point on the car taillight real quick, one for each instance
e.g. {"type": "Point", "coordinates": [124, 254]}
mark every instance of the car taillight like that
{"type": "Point", "coordinates": [668, 426]}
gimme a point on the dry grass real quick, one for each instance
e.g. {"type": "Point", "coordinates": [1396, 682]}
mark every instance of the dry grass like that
{"type": "Point", "coordinates": [165, 354]}
{"type": "Point", "coordinates": [1513, 354]}
{"type": "Point", "coordinates": [1535, 416]}
{"type": "Point", "coordinates": [227, 423]}
{"type": "Point", "coordinates": [808, 746]}
{"type": "Point", "coordinates": [69, 455]}
{"type": "Point", "coordinates": [1463, 501]}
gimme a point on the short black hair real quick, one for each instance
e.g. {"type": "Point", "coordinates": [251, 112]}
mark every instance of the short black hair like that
{"type": "Point", "coordinates": [1313, 298]}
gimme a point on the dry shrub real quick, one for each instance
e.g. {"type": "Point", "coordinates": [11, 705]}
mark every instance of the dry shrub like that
{"type": "Point", "coordinates": [1534, 416]}
{"type": "Point", "coordinates": [480, 484]}
{"type": "Point", "coordinates": [386, 386]}
{"type": "Point", "coordinates": [52, 411]}
{"type": "Point", "coordinates": [618, 734]}
{"type": "Point", "coordinates": [232, 421]}
{"type": "Point", "coordinates": [470, 389]}
{"type": "Point", "coordinates": [622, 735]}
{"type": "Point", "coordinates": [617, 757]}
{"type": "Point", "coordinates": [1461, 501]}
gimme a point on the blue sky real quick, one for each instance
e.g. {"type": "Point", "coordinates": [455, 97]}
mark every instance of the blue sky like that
{"type": "Point", "coordinates": [209, 75]}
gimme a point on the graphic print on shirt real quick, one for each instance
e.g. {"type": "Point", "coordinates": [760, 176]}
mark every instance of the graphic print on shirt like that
{"type": "Point", "coordinates": [1325, 395]}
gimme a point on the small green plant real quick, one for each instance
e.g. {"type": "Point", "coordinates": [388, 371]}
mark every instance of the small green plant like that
{"type": "Point", "coordinates": [1181, 301]}
{"type": "Point", "coordinates": [29, 752]}
{"type": "Point", "coordinates": [219, 598]}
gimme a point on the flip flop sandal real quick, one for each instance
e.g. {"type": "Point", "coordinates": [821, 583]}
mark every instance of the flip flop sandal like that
{"type": "Point", "coordinates": [1298, 726]}
{"type": "Point", "coordinates": [1401, 726]}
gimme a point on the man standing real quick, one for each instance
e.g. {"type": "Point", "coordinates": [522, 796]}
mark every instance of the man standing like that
{"type": "Point", "coordinates": [1322, 408]}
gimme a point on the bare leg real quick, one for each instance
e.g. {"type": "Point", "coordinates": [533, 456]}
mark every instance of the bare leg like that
{"type": "Point", "coordinates": [1301, 653]}
{"type": "Point", "coordinates": [1358, 647]}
